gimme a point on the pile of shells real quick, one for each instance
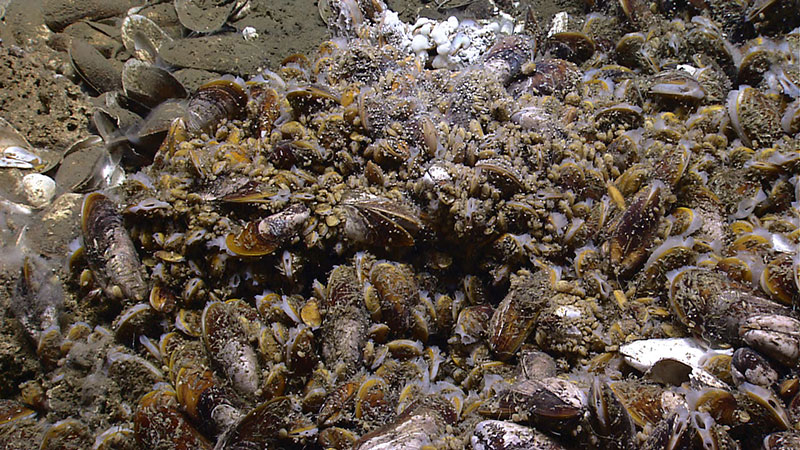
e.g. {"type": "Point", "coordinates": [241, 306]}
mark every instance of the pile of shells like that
{"type": "Point", "coordinates": [587, 239]}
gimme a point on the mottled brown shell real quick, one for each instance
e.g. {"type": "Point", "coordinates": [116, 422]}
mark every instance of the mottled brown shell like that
{"type": "Point", "coordinates": [110, 250]}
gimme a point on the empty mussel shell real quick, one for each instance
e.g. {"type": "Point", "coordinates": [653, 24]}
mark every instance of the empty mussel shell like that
{"type": "Point", "coordinates": [87, 166]}
{"type": "Point", "coordinates": [15, 151]}
{"type": "Point", "coordinates": [149, 84]}
{"type": "Point", "coordinates": [93, 68]}
{"type": "Point", "coordinates": [204, 16]}
{"type": "Point", "coordinates": [141, 36]}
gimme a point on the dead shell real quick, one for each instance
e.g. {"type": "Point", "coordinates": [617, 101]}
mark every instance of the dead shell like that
{"type": "Point", "coordinates": [16, 151]}
{"type": "Point", "coordinates": [204, 16]}
{"type": "Point", "coordinates": [148, 84]}
{"type": "Point", "coordinates": [98, 72]}
{"type": "Point", "coordinates": [141, 36]}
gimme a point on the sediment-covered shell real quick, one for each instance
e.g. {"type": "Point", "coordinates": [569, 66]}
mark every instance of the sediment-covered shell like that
{"type": "Point", "coordinates": [267, 235]}
{"type": "Point", "coordinates": [110, 251]}
{"type": "Point", "coordinates": [505, 435]}
{"type": "Point", "coordinates": [345, 324]}
{"type": "Point", "coordinates": [228, 347]}
{"type": "Point", "coordinates": [158, 423]}
{"type": "Point", "coordinates": [513, 320]}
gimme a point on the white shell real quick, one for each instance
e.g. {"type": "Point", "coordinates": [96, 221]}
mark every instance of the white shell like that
{"type": "Point", "coordinates": [39, 189]}
{"type": "Point", "coordinates": [643, 354]}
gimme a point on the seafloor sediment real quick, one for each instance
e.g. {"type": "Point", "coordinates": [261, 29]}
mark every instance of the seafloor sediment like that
{"type": "Point", "coordinates": [467, 225]}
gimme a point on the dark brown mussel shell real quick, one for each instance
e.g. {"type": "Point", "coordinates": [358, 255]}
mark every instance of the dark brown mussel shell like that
{"type": "Point", "coordinates": [633, 232]}
{"type": "Point", "coordinates": [397, 295]}
{"type": "Point", "coordinates": [507, 56]}
{"type": "Point", "coordinates": [609, 418]}
{"type": "Point", "coordinates": [12, 411]}
{"type": "Point", "coordinates": [304, 99]}
{"type": "Point", "coordinates": [552, 76]}
{"type": "Point", "coordinates": [572, 46]}
{"type": "Point", "coordinates": [515, 316]}
{"type": "Point", "coordinates": [379, 221]}
{"type": "Point", "coordinates": [214, 102]}
{"type": "Point", "coordinates": [260, 428]}
{"type": "Point", "coordinates": [546, 402]}
{"type": "Point", "coordinates": [158, 423]}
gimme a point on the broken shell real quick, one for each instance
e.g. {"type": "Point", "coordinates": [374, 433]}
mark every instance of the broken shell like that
{"type": "Point", "coordinates": [397, 294]}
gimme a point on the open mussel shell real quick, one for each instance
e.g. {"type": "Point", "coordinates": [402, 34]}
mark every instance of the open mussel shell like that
{"type": "Point", "coordinates": [16, 152]}
{"type": "Point", "coordinates": [87, 166]}
{"type": "Point", "coordinates": [142, 37]}
{"type": "Point", "coordinates": [204, 16]}
{"type": "Point", "coordinates": [148, 84]}
{"type": "Point", "coordinates": [93, 68]}
{"type": "Point", "coordinates": [120, 111]}
{"type": "Point", "coordinates": [148, 136]}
